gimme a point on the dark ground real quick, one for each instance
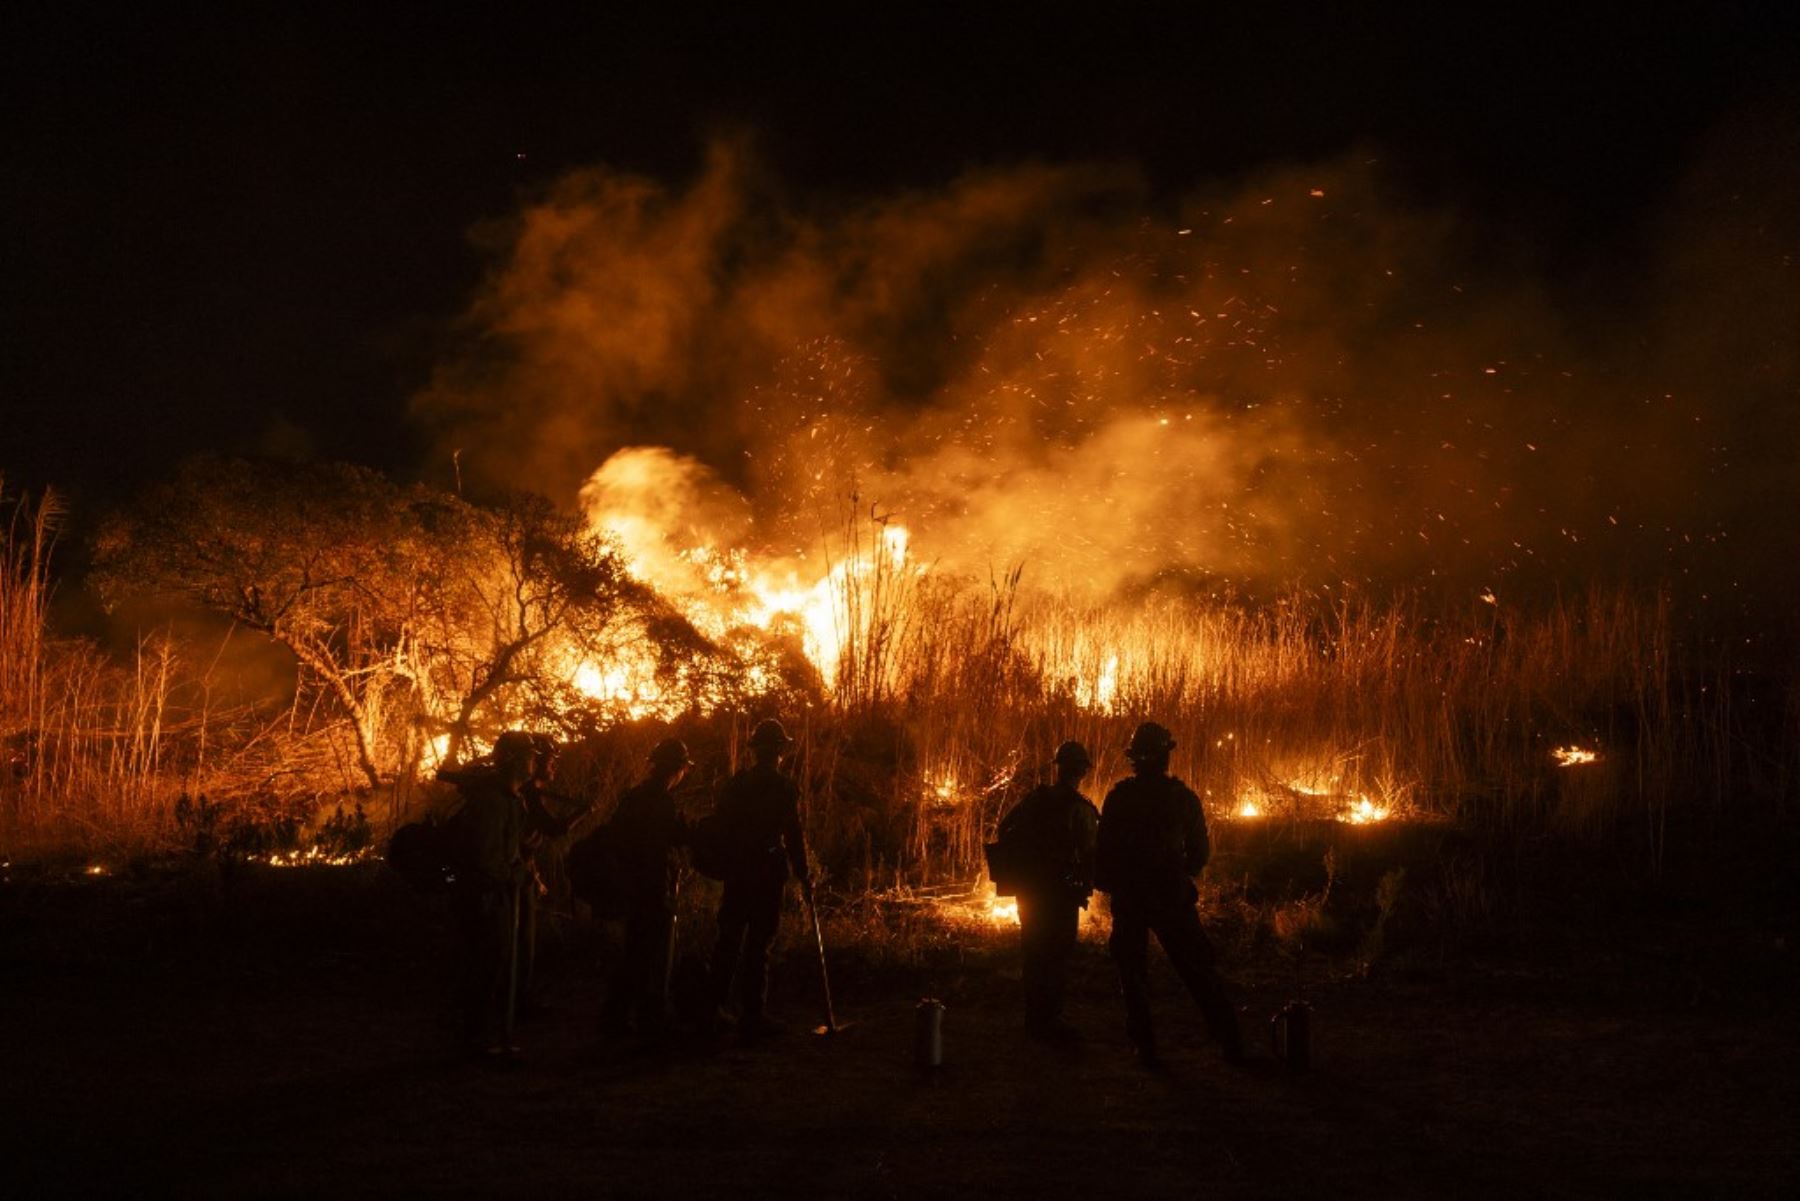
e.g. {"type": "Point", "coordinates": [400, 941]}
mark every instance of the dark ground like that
{"type": "Point", "coordinates": [287, 1036]}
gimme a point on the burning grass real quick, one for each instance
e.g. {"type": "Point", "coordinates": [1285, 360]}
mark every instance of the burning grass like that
{"type": "Point", "coordinates": [926, 704]}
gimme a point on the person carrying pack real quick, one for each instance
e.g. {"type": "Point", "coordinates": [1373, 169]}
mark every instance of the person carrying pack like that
{"type": "Point", "coordinates": [1152, 843]}
{"type": "Point", "coordinates": [754, 839]}
{"type": "Point", "coordinates": [485, 843]}
{"type": "Point", "coordinates": [1044, 856]}
{"type": "Point", "coordinates": [421, 854]}
{"type": "Point", "coordinates": [640, 842]}
{"type": "Point", "coordinates": [549, 815]}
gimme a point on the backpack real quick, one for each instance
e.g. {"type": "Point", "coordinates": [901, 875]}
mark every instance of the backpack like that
{"type": "Point", "coordinates": [713, 849]}
{"type": "Point", "coordinates": [424, 855]}
{"type": "Point", "coordinates": [1018, 858]}
{"type": "Point", "coordinates": [596, 876]}
{"type": "Point", "coordinates": [1142, 846]}
{"type": "Point", "coordinates": [1009, 863]}
{"type": "Point", "coordinates": [1039, 847]}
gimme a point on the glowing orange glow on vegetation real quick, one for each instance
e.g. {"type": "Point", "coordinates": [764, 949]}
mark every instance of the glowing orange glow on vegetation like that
{"type": "Point", "coordinates": [658, 508]}
{"type": "Point", "coordinates": [312, 857]}
{"type": "Point", "coordinates": [1364, 811]}
{"type": "Point", "coordinates": [435, 750]}
{"type": "Point", "coordinates": [627, 685]}
{"type": "Point", "coordinates": [1330, 791]}
{"type": "Point", "coordinates": [1101, 691]}
{"type": "Point", "coordinates": [1573, 756]}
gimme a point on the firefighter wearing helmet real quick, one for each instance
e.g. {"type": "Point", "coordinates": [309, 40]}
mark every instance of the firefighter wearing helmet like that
{"type": "Point", "coordinates": [486, 846]}
{"type": "Point", "coordinates": [1152, 843]}
{"type": "Point", "coordinates": [1047, 843]}
{"type": "Point", "coordinates": [758, 821]}
{"type": "Point", "coordinates": [549, 815]}
{"type": "Point", "coordinates": [644, 833]}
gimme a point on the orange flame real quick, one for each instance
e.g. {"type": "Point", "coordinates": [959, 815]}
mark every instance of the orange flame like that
{"type": "Point", "coordinates": [679, 530]}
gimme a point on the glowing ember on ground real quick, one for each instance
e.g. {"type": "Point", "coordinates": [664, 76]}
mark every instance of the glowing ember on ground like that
{"type": "Point", "coordinates": [311, 857]}
{"type": "Point", "coordinates": [972, 903]}
{"type": "Point", "coordinates": [1317, 793]}
{"type": "Point", "coordinates": [95, 869]}
{"type": "Point", "coordinates": [1364, 811]}
{"type": "Point", "coordinates": [1570, 756]}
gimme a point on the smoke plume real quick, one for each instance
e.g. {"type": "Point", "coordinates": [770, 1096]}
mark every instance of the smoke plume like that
{"type": "Point", "coordinates": [1299, 378]}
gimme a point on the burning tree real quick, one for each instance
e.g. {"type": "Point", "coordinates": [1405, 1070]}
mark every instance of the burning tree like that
{"type": "Point", "coordinates": [517, 598]}
{"type": "Point", "coordinates": [422, 620]}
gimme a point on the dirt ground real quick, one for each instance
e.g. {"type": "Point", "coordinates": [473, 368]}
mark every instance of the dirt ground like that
{"type": "Point", "coordinates": [286, 1034]}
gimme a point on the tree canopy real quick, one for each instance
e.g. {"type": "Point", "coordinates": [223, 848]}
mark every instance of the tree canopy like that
{"type": "Point", "coordinates": [417, 613]}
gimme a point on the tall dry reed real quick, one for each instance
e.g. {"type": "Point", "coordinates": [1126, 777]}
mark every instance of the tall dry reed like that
{"type": "Point", "coordinates": [1360, 707]}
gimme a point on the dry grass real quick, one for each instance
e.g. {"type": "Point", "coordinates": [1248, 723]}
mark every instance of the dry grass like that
{"type": "Point", "coordinates": [1310, 709]}
{"type": "Point", "coordinates": [951, 696]}
{"type": "Point", "coordinates": [86, 739]}
{"type": "Point", "coordinates": [101, 750]}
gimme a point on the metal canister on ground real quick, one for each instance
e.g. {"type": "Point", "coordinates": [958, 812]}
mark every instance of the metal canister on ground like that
{"type": "Point", "coordinates": [1290, 1035]}
{"type": "Point", "coordinates": [928, 1033]}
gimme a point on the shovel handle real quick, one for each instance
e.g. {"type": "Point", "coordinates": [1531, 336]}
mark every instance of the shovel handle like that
{"type": "Point", "coordinates": [824, 975]}
{"type": "Point", "coordinates": [512, 964]}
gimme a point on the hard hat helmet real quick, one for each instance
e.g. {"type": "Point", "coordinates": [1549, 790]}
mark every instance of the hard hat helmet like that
{"type": "Point", "coordinates": [1149, 740]}
{"type": "Point", "coordinates": [769, 733]}
{"type": "Point", "coordinates": [545, 747]}
{"type": "Point", "coordinates": [514, 746]}
{"type": "Point", "coordinates": [1072, 753]}
{"type": "Point", "coordinates": [670, 752]}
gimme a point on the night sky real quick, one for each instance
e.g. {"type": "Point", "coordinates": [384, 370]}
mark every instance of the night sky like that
{"type": "Point", "coordinates": [254, 232]}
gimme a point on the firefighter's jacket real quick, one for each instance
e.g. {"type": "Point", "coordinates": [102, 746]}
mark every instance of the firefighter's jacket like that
{"type": "Point", "coordinates": [1055, 827]}
{"type": "Point", "coordinates": [487, 833]}
{"type": "Point", "coordinates": [643, 835]}
{"type": "Point", "coordinates": [1152, 842]}
{"type": "Point", "coordinates": [759, 816]}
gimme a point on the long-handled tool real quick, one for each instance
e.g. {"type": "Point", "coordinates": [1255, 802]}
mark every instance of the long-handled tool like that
{"type": "Point", "coordinates": [512, 970]}
{"type": "Point", "coordinates": [668, 979]}
{"type": "Point", "coordinates": [831, 1025]}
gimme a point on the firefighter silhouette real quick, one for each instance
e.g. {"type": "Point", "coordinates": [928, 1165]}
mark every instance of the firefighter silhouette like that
{"type": "Point", "coordinates": [486, 843]}
{"type": "Point", "coordinates": [1047, 844]}
{"type": "Point", "coordinates": [757, 823]}
{"type": "Point", "coordinates": [643, 835]}
{"type": "Point", "coordinates": [1152, 843]}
